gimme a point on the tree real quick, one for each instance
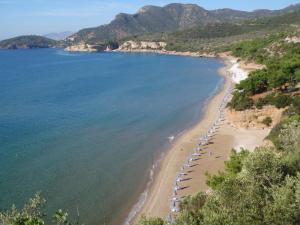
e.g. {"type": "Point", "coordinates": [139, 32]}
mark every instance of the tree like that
{"type": "Point", "coordinates": [289, 137]}
{"type": "Point", "coordinates": [284, 205]}
{"type": "Point", "coordinates": [241, 199]}
{"type": "Point", "coordinates": [61, 218]}
{"type": "Point", "coordinates": [30, 214]}
{"type": "Point", "coordinates": [191, 210]}
{"type": "Point", "coordinates": [232, 167]}
{"type": "Point", "coordinates": [240, 101]}
{"type": "Point", "coordinates": [150, 221]}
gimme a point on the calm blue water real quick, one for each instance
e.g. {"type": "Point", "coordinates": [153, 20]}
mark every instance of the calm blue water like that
{"type": "Point", "coordinates": [84, 129]}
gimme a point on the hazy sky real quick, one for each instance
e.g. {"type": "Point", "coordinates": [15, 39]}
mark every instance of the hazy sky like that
{"type": "Point", "coordinates": [18, 17]}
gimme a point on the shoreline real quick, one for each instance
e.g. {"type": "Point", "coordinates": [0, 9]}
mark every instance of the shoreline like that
{"type": "Point", "coordinates": [158, 200]}
{"type": "Point", "coordinates": [157, 203]}
{"type": "Point", "coordinates": [165, 52]}
{"type": "Point", "coordinates": [143, 198]}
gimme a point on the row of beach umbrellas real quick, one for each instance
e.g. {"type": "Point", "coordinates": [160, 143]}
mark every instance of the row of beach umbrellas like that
{"type": "Point", "coordinates": [203, 141]}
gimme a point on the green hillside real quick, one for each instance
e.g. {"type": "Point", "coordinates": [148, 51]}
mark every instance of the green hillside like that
{"type": "Point", "coordinates": [29, 41]}
{"type": "Point", "coordinates": [172, 17]}
{"type": "Point", "coordinates": [213, 36]}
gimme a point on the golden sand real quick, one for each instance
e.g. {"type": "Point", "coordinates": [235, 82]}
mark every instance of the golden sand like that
{"type": "Point", "coordinates": [212, 160]}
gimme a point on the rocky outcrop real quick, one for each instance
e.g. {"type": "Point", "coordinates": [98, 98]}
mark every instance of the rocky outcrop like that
{"type": "Point", "coordinates": [156, 47]}
{"type": "Point", "coordinates": [83, 47]}
{"type": "Point", "coordinates": [142, 45]}
{"type": "Point", "coordinates": [253, 118]}
{"type": "Point", "coordinates": [294, 39]}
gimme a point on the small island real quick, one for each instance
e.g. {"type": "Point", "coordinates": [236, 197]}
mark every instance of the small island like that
{"type": "Point", "coordinates": [29, 42]}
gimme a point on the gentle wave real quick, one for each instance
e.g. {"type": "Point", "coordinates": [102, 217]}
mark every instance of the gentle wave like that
{"type": "Point", "coordinates": [143, 197]}
{"type": "Point", "coordinates": [64, 53]}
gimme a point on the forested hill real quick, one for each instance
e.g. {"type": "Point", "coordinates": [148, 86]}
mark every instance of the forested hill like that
{"type": "Point", "coordinates": [153, 19]}
{"type": "Point", "coordinates": [212, 37]}
{"type": "Point", "coordinates": [29, 41]}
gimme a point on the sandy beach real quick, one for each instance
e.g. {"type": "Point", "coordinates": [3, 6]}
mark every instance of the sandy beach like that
{"type": "Point", "coordinates": [212, 158]}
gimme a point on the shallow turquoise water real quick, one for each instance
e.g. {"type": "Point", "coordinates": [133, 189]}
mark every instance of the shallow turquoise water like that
{"type": "Point", "coordinates": [84, 129]}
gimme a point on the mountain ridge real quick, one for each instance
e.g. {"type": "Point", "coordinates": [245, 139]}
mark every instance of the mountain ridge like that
{"type": "Point", "coordinates": [159, 24]}
{"type": "Point", "coordinates": [172, 17]}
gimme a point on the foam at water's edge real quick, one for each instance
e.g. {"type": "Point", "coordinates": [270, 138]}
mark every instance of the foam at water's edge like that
{"type": "Point", "coordinates": [143, 197]}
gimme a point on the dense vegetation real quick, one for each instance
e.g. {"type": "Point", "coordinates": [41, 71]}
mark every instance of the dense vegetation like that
{"type": "Point", "coordinates": [215, 36]}
{"type": "Point", "coordinates": [279, 77]}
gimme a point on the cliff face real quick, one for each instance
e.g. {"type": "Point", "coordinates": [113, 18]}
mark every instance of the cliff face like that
{"type": "Point", "coordinates": [142, 45]}
{"type": "Point", "coordinates": [82, 47]}
{"type": "Point", "coordinates": [253, 118]}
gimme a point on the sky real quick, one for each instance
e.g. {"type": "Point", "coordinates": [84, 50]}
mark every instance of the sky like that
{"type": "Point", "coordinates": [22, 17]}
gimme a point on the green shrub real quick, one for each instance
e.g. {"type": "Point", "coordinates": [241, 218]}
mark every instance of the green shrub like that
{"type": "Point", "coordinates": [296, 105]}
{"type": "Point", "coordinates": [261, 102]}
{"type": "Point", "coordinates": [256, 83]}
{"type": "Point", "coordinates": [267, 121]}
{"type": "Point", "coordinates": [232, 167]}
{"type": "Point", "coordinates": [191, 210]}
{"type": "Point", "coordinates": [151, 221]}
{"type": "Point", "coordinates": [274, 135]}
{"type": "Point", "coordinates": [282, 101]}
{"type": "Point", "coordinates": [240, 101]}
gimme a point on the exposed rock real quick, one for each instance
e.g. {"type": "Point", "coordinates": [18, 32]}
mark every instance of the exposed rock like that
{"type": "Point", "coordinates": [134, 45]}
{"type": "Point", "coordinates": [83, 47]}
{"type": "Point", "coordinates": [293, 39]}
{"type": "Point", "coordinates": [253, 118]}
{"type": "Point", "coordinates": [157, 47]}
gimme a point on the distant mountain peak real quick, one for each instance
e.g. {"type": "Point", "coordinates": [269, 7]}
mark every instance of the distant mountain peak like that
{"type": "Point", "coordinates": [293, 7]}
{"type": "Point", "coordinates": [58, 36]}
{"type": "Point", "coordinates": [172, 17]}
{"type": "Point", "coordinates": [147, 8]}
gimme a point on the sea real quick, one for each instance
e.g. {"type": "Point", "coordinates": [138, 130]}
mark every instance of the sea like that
{"type": "Point", "coordinates": [87, 130]}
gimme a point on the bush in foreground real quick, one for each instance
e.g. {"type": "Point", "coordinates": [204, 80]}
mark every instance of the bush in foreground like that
{"type": "Point", "coordinates": [32, 214]}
